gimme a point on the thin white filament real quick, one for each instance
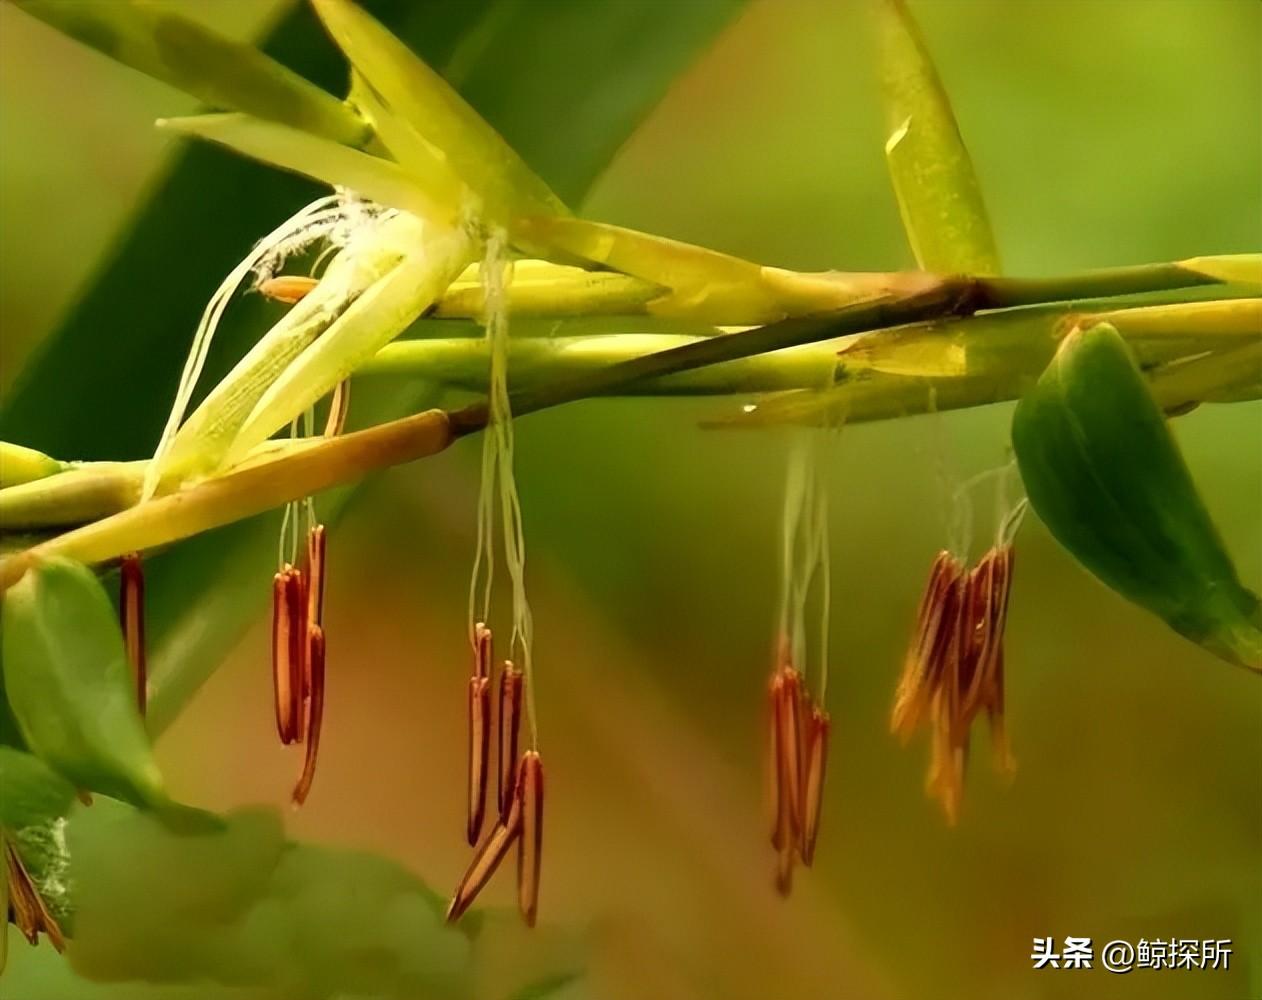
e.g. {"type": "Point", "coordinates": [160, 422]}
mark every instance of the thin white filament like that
{"type": "Point", "coordinates": [308, 224]}
{"type": "Point", "coordinates": [499, 481]}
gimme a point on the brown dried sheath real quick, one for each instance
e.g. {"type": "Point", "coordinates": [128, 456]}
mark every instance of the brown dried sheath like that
{"type": "Point", "coordinates": [283, 583]}
{"type": "Point", "coordinates": [479, 751]}
{"type": "Point", "coordinates": [816, 765]}
{"type": "Point", "coordinates": [486, 859]}
{"type": "Point", "coordinates": [131, 613]}
{"type": "Point", "coordinates": [530, 847]}
{"type": "Point", "coordinates": [315, 711]}
{"type": "Point", "coordinates": [509, 732]}
{"type": "Point", "coordinates": [287, 288]}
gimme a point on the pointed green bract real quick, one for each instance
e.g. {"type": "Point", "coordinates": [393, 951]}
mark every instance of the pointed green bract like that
{"type": "Point", "coordinates": [498, 178]}
{"type": "Point", "coordinates": [69, 684]}
{"type": "Point", "coordinates": [336, 165]}
{"type": "Point", "coordinates": [1104, 473]}
{"type": "Point", "coordinates": [223, 73]}
{"type": "Point", "coordinates": [24, 465]}
{"type": "Point", "coordinates": [1242, 268]}
{"type": "Point", "coordinates": [378, 316]}
{"type": "Point", "coordinates": [937, 190]}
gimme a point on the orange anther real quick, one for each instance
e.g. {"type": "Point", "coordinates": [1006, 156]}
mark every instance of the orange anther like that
{"type": "Point", "coordinates": [287, 288]}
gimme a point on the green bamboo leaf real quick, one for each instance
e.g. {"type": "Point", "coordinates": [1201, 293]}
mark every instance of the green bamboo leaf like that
{"type": "Point", "coordinates": [1104, 473]}
{"type": "Point", "coordinates": [408, 87]}
{"type": "Point", "coordinates": [30, 790]}
{"type": "Point", "coordinates": [317, 158]}
{"type": "Point", "coordinates": [937, 190]}
{"type": "Point", "coordinates": [225, 74]}
{"type": "Point", "coordinates": [69, 684]}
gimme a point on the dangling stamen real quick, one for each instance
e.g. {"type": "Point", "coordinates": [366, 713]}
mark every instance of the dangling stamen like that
{"type": "Point", "coordinates": [954, 668]}
{"type": "Point", "coordinates": [783, 837]}
{"type": "Point", "coordinates": [131, 613]}
{"type": "Point", "coordinates": [530, 847]}
{"type": "Point", "coordinates": [315, 710]}
{"type": "Point", "coordinates": [818, 726]}
{"type": "Point", "coordinates": [774, 786]}
{"type": "Point", "coordinates": [486, 859]}
{"type": "Point", "coordinates": [286, 648]}
{"type": "Point", "coordinates": [287, 288]}
{"type": "Point", "coordinates": [479, 711]}
{"type": "Point", "coordinates": [992, 689]}
{"type": "Point", "coordinates": [479, 751]}
{"type": "Point", "coordinates": [509, 730]}
{"type": "Point", "coordinates": [934, 624]}
{"type": "Point", "coordinates": [790, 744]}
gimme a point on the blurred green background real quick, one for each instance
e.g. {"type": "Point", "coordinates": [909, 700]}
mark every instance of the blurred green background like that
{"type": "Point", "coordinates": [1103, 133]}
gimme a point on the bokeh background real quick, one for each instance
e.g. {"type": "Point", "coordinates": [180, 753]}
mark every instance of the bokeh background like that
{"type": "Point", "coordinates": [1104, 133]}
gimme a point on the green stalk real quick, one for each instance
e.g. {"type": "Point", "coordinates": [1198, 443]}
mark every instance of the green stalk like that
{"type": "Point", "coordinates": [269, 482]}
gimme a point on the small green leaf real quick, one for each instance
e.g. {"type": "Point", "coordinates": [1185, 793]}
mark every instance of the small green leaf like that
{"type": "Point", "coordinates": [194, 59]}
{"type": "Point", "coordinates": [938, 194]}
{"type": "Point", "coordinates": [408, 87]}
{"type": "Point", "coordinates": [30, 790]}
{"type": "Point", "coordinates": [69, 685]}
{"type": "Point", "coordinates": [1104, 473]}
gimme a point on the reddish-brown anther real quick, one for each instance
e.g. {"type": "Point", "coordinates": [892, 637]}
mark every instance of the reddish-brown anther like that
{"type": "Point", "coordinates": [131, 614]}
{"type": "Point", "coordinates": [481, 650]}
{"type": "Point", "coordinates": [479, 752]}
{"type": "Point", "coordinates": [955, 669]}
{"type": "Point", "coordinates": [314, 710]}
{"type": "Point", "coordinates": [287, 288]}
{"type": "Point", "coordinates": [530, 847]}
{"type": "Point", "coordinates": [288, 653]}
{"type": "Point", "coordinates": [509, 731]}
{"type": "Point", "coordinates": [789, 745]}
{"type": "Point", "coordinates": [818, 726]}
{"type": "Point", "coordinates": [486, 859]}
{"type": "Point", "coordinates": [313, 571]}
{"type": "Point", "coordinates": [935, 622]}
